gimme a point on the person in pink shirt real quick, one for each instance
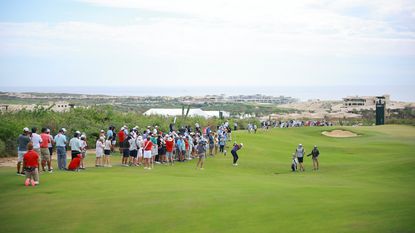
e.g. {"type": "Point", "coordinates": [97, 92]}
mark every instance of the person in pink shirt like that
{"type": "Point", "coordinates": [44, 150]}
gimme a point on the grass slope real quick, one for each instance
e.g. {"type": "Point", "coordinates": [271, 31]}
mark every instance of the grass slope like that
{"type": "Point", "coordinates": [366, 184]}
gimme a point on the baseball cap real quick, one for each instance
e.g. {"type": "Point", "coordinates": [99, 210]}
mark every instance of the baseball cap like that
{"type": "Point", "coordinates": [242, 144]}
{"type": "Point", "coordinates": [25, 129]}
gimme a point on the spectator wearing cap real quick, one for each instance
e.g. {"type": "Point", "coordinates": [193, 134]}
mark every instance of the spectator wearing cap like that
{"type": "Point", "coordinates": [76, 145]}
{"type": "Point", "coordinates": [22, 142]}
{"type": "Point", "coordinates": [36, 139]}
{"type": "Point", "coordinates": [299, 153]}
{"type": "Point", "coordinates": [60, 141]}
{"type": "Point", "coordinates": [44, 150]}
{"type": "Point", "coordinates": [121, 138]}
{"type": "Point", "coordinates": [315, 153]}
{"type": "Point", "coordinates": [169, 150]}
{"type": "Point", "coordinates": [102, 133]}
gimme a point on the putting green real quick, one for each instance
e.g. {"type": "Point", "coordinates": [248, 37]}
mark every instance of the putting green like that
{"type": "Point", "coordinates": [365, 184]}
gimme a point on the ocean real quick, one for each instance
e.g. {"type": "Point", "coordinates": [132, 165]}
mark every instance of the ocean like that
{"type": "Point", "coordinates": [398, 92]}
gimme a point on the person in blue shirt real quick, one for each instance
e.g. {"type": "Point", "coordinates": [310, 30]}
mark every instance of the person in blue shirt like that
{"type": "Point", "coordinates": [60, 141]}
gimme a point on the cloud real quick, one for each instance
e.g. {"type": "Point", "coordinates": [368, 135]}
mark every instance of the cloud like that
{"type": "Point", "coordinates": [220, 38]}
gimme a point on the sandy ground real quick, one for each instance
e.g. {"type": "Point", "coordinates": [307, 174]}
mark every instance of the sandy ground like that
{"type": "Point", "coordinates": [339, 134]}
{"type": "Point", "coordinates": [8, 162]}
{"type": "Point", "coordinates": [12, 161]}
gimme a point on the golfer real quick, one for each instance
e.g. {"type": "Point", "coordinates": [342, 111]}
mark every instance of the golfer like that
{"type": "Point", "coordinates": [235, 148]}
{"type": "Point", "coordinates": [299, 153]}
{"type": "Point", "coordinates": [315, 153]}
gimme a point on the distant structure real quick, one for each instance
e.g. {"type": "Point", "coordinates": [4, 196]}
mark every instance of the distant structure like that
{"type": "Point", "coordinates": [364, 101]}
{"type": "Point", "coordinates": [61, 106]}
{"type": "Point", "coordinates": [380, 111]}
{"type": "Point", "coordinates": [195, 112]}
{"type": "Point", "coordinates": [263, 99]}
{"type": "Point", "coordinates": [4, 107]}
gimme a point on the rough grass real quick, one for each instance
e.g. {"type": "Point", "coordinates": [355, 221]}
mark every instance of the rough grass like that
{"type": "Point", "coordinates": [366, 184]}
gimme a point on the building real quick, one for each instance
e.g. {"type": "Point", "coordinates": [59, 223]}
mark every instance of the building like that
{"type": "Point", "coordinates": [195, 112]}
{"type": "Point", "coordinates": [363, 101]}
{"type": "Point", "coordinates": [61, 106]}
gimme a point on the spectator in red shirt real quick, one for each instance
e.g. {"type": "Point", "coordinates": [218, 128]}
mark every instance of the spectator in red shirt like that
{"type": "Point", "coordinates": [31, 165]}
{"type": "Point", "coordinates": [44, 150]}
{"type": "Point", "coordinates": [121, 138]}
{"type": "Point", "coordinates": [169, 149]}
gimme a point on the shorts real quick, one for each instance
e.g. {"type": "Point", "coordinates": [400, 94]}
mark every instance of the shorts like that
{"type": "Point", "coordinates": [107, 152]}
{"type": "Point", "coordinates": [44, 154]}
{"type": "Point", "coordinates": [211, 146]}
{"type": "Point", "coordinates": [32, 174]}
{"type": "Point", "coordinates": [113, 142]}
{"type": "Point", "coordinates": [20, 155]}
{"type": "Point", "coordinates": [315, 158]}
{"type": "Point", "coordinates": [83, 154]}
{"type": "Point", "coordinates": [169, 154]}
{"type": "Point", "coordinates": [98, 155]}
{"type": "Point", "coordinates": [140, 153]}
{"type": "Point", "coordinates": [37, 150]}
{"type": "Point", "coordinates": [155, 151]}
{"type": "Point", "coordinates": [201, 156]}
{"type": "Point", "coordinates": [51, 151]}
{"type": "Point", "coordinates": [147, 154]}
{"type": "Point", "coordinates": [126, 153]}
{"type": "Point", "coordinates": [300, 159]}
{"type": "Point", "coordinates": [133, 153]}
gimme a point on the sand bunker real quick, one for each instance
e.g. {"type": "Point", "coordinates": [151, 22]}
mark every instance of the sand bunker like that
{"type": "Point", "coordinates": [8, 162]}
{"type": "Point", "coordinates": [339, 134]}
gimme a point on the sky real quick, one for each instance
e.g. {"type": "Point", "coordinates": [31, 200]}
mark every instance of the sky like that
{"type": "Point", "coordinates": [104, 43]}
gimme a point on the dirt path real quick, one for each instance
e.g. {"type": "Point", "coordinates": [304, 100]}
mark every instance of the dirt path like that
{"type": "Point", "coordinates": [12, 161]}
{"type": "Point", "coordinates": [8, 162]}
